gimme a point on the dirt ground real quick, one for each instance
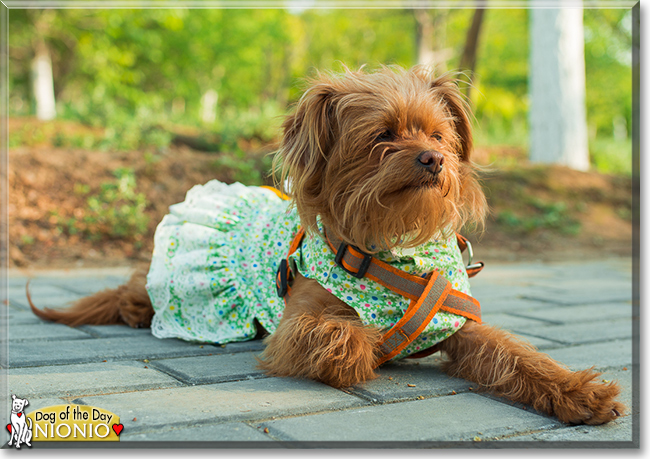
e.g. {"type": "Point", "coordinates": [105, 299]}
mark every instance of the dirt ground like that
{"type": "Point", "coordinates": [536, 212]}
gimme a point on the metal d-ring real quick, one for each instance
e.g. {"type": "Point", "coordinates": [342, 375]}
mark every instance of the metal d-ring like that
{"type": "Point", "coordinates": [470, 255]}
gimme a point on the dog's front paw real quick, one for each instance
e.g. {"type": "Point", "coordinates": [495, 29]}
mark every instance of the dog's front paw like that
{"type": "Point", "coordinates": [329, 349]}
{"type": "Point", "coordinates": [585, 401]}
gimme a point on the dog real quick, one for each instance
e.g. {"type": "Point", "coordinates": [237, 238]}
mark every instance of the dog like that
{"type": "Point", "coordinates": [378, 169]}
{"type": "Point", "coordinates": [21, 430]}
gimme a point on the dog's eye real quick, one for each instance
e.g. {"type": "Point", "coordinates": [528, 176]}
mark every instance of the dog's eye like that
{"type": "Point", "coordinates": [385, 136]}
{"type": "Point", "coordinates": [437, 136]}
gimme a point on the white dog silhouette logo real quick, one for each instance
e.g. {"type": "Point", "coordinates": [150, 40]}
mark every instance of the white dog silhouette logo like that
{"type": "Point", "coordinates": [20, 429]}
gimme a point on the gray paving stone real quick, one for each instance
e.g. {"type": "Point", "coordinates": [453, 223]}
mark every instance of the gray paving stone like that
{"type": "Point", "coordinates": [612, 268]}
{"type": "Point", "coordinates": [86, 286]}
{"type": "Point", "coordinates": [408, 380]}
{"type": "Point", "coordinates": [112, 331]}
{"type": "Point", "coordinates": [85, 379]}
{"type": "Point", "coordinates": [229, 432]}
{"type": "Point", "coordinates": [495, 293]}
{"type": "Point", "coordinates": [459, 417]}
{"type": "Point", "coordinates": [34, 353]}
{"type": "Point", "coordinates": [36, 403]}
{"type": "Point", "coordinates": [43, 296]}
{"type": "Point", "coordinates": [211, 369]}
{"type": "Point", "coordinates": [582, 296]}
{"type": "Point", "coordinates": [510, 322]}
{"type": "Point", "coordinates": [244, 346]}
{"type": "Point", "coordinates": [583, 332]}
{"type": "Point", "coordinates": [508, 305]}
{"type": "Point", "coordinates": [44, 331]}
{"type": "Point", "coordinates": [615, 431]}
{"type": "Point", "coordinates": [512, 272]}
{"type": "Point", "coordinates": [16, 282]}
{"type": "Point", "coordinates": [18, 316]}
{"type": "Point", "coordinates": [601, 355]}
{"type": "Point", "coordinates": [52, 369]}
{"type": "Point", "coordinates": [585, 313]}
{"type": "Point", "coordinates": [233, 401]}
{"type": "Point", "coordinates": [539, 343]}
{"type": "Point", "coordinates": [599, 284]}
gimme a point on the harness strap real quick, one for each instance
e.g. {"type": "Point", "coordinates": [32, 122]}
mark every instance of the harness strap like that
{"type": "Point", "coordinates": [284, 274]}
{"type": "Point", "coordinates": [428, 295]}
{"type": "Point", "coordinates": [408, 285]}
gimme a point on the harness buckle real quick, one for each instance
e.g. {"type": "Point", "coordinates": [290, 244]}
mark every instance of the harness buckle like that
{"type": "Point", "coordinates": [281, 278]}
{"type": "Point", "coordinates": [365, 263]}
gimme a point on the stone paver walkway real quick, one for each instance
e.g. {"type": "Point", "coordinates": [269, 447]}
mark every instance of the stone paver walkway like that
{"type": "Point", "coordinates": [172, 391]}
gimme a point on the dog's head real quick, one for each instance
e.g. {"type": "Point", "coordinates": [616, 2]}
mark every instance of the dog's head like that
{"type": "Point", "coordinates": [18, 404]}
{"type": "Point", "coordinates": [383, 158]}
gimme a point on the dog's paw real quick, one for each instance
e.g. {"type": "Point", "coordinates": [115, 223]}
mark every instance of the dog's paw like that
{"type": "Point", "coordinates": [329, 349]}
{"type": "Point", "coordinates": [586, 401]}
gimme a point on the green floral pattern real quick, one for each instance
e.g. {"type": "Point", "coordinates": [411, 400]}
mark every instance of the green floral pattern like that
{"type": "Point", "coordinates": [214, 263]}
{"type": "Point", "coordinates": [216, 255]}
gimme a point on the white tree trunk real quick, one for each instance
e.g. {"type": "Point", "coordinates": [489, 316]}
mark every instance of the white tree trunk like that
{"type": "Point", "coordinates": [209, 106]}
{"type": "Point", "coordinates": [558, 120]}
{"type": "Point", "coordinates": [43, 84]}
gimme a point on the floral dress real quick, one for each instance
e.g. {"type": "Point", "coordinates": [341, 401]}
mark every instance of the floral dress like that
{"type": "Point", "coordinates": [217, 253]}
{"type": "Point", "coordinates": [214, 263]}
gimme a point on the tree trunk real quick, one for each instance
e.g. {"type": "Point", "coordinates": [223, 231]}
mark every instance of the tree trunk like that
{"type": "Point", "coordinates": [424, 37]}
{"type": "Point", "coordinates": [430, 37]}
{"type": "Point", "coordinates": [209, 106]}
{"type": "Point", "coordinates": [468, 59]}
{"type": "Point", "coordinates": [558, 120]}
{"type": "Point", "coordinates": [43, 83]}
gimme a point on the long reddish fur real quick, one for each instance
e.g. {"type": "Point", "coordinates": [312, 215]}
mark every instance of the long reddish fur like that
{"type": "Point", "coordinates": [127, 304]}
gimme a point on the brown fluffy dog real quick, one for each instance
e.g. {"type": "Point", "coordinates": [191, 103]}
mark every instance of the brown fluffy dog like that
{"type": "Point", "coordinates": [384, 160]}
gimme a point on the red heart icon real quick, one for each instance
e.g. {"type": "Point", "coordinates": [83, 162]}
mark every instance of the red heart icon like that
{"type": "Point", "coordinates": [19, 414]}
{"type": "Point", "coordinates": [117, 428]}
{"type": "Point", "coordinates": [9, 427]}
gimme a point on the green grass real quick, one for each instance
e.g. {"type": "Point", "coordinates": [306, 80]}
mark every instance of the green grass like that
{"type": "Point", "coordinates": [611, 156]}
{"type": "Point", "coordinates": [115, 212]}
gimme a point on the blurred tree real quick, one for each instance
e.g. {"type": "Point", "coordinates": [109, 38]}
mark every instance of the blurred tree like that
{"type": "Point", "coordinates": [42, 79]}
{"type": "Point", "coordinates": [558, 116]}
{"type": "Point", "coordinates": [431, 38]}
{"type": "Point", "coordinates": [608, 59]}
{"type": "Point", "coordinates": [39, 44]}
{"type": "Point", "coordinates": [468, 58]}
{"type": "Point", "coordinates": [500, 79]}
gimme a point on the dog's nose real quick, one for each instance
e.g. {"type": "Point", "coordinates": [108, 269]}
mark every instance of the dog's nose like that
{"type": "Point", "coordinates": [432, 160]}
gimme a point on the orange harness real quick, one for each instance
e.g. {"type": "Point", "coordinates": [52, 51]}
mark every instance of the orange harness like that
{"type": "Point", "coordinates": [428, 295]}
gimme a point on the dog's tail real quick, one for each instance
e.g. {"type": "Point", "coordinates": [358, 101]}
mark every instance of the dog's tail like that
{"type": "Point", "coordinates": [127, 304]}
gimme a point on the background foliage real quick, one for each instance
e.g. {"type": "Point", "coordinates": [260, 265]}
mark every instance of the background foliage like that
{"type": "Point", "coordinates": [142, 73]}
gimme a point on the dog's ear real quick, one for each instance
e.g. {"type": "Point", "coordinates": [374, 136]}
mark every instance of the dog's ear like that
{"type": "Point", "coordinates": [13, 396]}
{"type": "Point", "coordinates": [309, 131]}
{"type": "Point", "coordinates": [447, 89]}
{"type": "Point", "coordinates": [26, 402]}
